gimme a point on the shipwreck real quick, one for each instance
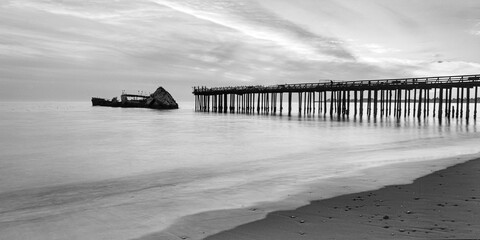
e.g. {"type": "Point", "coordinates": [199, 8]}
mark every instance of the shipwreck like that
{"type": "Point", "coordinates": [160, 99]}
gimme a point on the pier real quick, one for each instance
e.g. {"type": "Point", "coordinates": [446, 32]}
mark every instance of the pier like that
{"type": "Point", "coordinates": [442, 96]}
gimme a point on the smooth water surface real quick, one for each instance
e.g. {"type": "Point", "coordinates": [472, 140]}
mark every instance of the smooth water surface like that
{"type": "Point", "coordinates": [72, 171]}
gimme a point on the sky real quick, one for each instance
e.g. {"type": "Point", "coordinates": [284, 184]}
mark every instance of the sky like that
{"type": "Point", "coordinates": [73, 50]}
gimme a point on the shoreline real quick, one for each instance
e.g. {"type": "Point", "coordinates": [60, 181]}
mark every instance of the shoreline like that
{"type": "Point", "coordinates": [443, 204]}
{"type": "Point", "coordinates": [216, 223]}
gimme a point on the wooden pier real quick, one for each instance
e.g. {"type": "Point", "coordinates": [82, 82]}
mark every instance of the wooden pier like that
{"type": "Point", "coordinates": [441, 97]}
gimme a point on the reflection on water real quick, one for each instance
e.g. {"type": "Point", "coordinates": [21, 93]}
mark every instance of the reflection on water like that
{"type": "Point", "coordinates": [71, 170]}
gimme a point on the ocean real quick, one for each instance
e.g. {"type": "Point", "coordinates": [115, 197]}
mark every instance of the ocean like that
{"type": "Point", "coordinates": [72, 171]}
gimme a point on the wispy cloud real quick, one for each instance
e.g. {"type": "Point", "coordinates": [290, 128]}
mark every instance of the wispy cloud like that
{"type": "Point", "coordinates": [101, 10]}
{"type": "Point", "coordinates": [252, 20]}
{"type": "Point", "coordinates": [475, 30]}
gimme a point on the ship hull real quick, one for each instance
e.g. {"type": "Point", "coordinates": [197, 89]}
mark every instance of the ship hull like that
{"type": "Point", "coordinates": [130, 104]}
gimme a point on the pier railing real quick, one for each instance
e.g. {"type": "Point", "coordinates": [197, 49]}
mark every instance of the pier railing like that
{"type": "Point", "coordinates": [380, 93]}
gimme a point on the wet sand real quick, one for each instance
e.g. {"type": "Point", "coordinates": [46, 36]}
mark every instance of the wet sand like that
{"type": "Point", "coordinates": [444, 204]}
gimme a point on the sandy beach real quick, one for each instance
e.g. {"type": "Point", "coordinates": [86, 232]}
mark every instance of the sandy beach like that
{"type": "Point", "coordinates": [444, 204]}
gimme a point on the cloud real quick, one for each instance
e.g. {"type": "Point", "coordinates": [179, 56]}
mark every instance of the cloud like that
{"type": "Point", "coordinates": [377, 48]}
{"type": "Point", "coordinates": [475, 30]}
{"type": "Point", "coordinates": [447, 68]}
{"type": "Point", "coordinates": [254, 21]}
{"type": "Point", "coordinates": [401, 18]}
{"type": "Point", "coordinates": [100, 10]}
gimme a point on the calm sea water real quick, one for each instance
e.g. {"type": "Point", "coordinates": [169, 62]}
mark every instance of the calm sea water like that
{"type": "Point", "coordinates": [72, 171]}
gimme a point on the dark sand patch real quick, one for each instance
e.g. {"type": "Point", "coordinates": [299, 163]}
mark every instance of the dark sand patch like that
{"type": "Point", "coordinates": [444, 204]}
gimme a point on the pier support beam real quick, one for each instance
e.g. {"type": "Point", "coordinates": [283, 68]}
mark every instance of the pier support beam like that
{"type": "Point", "coordinates": [476, 99]}
{"type": "Point", "coordinates": [355, 100]}
{"type": "Point", "coordinates": [449, 102]}
{"type": "Point", "coordinates": [409, 100]}
{"type": "Point", "coordinates": [447, 97]}
{"type": "Point", "coordinates": [274, 103]}
{"type": "Point", "coordinates": [458, 102]}
{"type": "Point", "coordinates": [289, 104]}
{"type": "Point", "coordinates": [419, 113]}
{"type": "Point", "coordinates": [348, 103]}
{"type": "Point", "coordinates": [414, 102]}
{"type": "Point", "coordinates": [325, 103]}
{"type": "Point", "coordinates": [313, 102]}
{"type": "Point", "coordinates": [332, 102]}
{"type": "Point", "coordinates": [389, 102]}
{"type": "Point", "coordinates": [281, 103]}
{"type": "Point", "coordinates": [361, 103]}
{"type": "Point", "coordinates": [339, 103]}
{"type": "Point", "coordinates": [225, 103]}
{"type": "Point", "coordinates": [434, 101]}
{"type": "Point", "coordinates": [300, 103]}
{"type": "Point", "coordinates": [399, 112]}
{"type": "Point", "coordinates": [467, 113]}
{"type": "Point", "coordinates": [461, 103]}
{"type": "Point", "coordinates": [427, 102]}
{"type": "Point", "coordinates": [440, 102]}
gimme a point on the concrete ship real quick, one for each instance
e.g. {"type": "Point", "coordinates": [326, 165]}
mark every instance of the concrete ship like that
{"type": "Point", "coordinates": [160, 99]}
